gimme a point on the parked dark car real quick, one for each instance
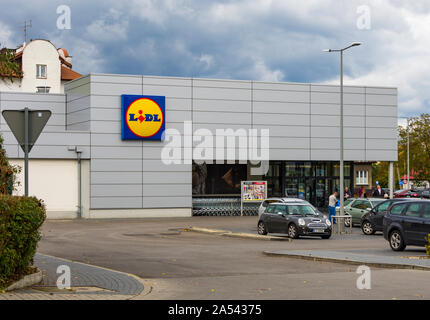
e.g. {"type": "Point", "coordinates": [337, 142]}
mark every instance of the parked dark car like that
{"type": "Point", "coordinates": [294, 219]}
{"type": "Point", "coordinates": [372, 220]}
{"type": "Point", "coordinates": [419, 193]}
{"type": "Point", "coordinates": [407, 223]}
{"type": "Point", "coordinates": [401, 193]}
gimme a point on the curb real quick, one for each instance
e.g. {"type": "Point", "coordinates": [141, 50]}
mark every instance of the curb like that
{"type": "Point", "coordinates": [28, 281]}
{"type": "Point", "coordinates": [349, 262]}
{"type": "Point", "coordinates": [242, 235]}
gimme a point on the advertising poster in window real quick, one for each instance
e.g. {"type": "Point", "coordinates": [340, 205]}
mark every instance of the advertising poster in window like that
{"type": "Point", "coordinates": [254, 191]}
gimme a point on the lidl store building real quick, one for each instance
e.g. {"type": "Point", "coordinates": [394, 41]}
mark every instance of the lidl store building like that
{"type": "Point", "coordinates": [123, 172]}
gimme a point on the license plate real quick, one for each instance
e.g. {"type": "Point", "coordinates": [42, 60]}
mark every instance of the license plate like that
{"type": "Point", "coordinates": [318, 230]}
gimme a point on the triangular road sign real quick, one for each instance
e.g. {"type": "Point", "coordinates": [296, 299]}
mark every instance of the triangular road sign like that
{"type": "Point", "coordinates": [37, 120]}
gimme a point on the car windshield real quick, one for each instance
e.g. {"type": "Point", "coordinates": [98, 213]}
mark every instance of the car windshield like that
{"type": "Point", "coordinates": [304, 210]}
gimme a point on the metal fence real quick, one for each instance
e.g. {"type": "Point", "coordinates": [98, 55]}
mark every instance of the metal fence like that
{"type": "Point", "coordinates": [223, 207]}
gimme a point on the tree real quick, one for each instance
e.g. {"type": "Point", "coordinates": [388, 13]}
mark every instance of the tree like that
{"type": "Point", "coordinates": [419, 152]}
{"type": "Point", "coordinates": [419, 147]}
{"type": "Point", "coordinates": [8, 66]}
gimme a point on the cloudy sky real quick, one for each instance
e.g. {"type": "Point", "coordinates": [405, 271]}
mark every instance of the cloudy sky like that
{"type": "Point", "coordinates": [273, 40]}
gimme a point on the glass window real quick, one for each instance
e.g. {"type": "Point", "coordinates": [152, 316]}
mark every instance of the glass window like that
{"type": "Point", "coordinates": [361, 177]}
{"type": "Point", "coordinates": [414, 210]}
{"type": "Point", "coordinates": [301, 209]}
{"type": "Point", "coordinates": [376, 202]}
{"type": "Point", "coordinates": [347, 202]}
{"type": "Point", "coordinates": [41, 71]}
{"type": "Point", "coordinates": [383, 206]}
{"type": "Point", "coordinates": [270, 208]}
{"type": "Point", "coordinates": [426, 211]}
{"type": "Point", "coordinates": [359, 204]}
{"type": "Point", "coordinates": [320, 170]}
{"type": "Point", "coordinates": [291, 188]}
{"type": "Point", "coordinates": [397, 209]}
{"type": "Point", "coordinates": [282, 209]}
{"type": "Point", "coordinates": [290, 169]}
{"type": "Point", "coordinates": [304, 169]}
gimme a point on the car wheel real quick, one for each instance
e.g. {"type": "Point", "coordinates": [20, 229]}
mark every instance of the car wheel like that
{"type": "Point", "coordinates": [262, 228]}
{"type": "Point", "coordinates": [293, 233]}
{"type": "Point", "coordinates": [396, 241]}
{"type": "Point", "coordinates": [367, 228]}
{"type": "Point", "coordinates": [347, 222]}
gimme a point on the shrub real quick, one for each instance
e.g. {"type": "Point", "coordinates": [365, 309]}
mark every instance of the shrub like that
{"type": "Point", "coordinates": [20, 221]}
{"type": "Point", "coordinates": [428, 245]}
{"type": "Point", "coordinates": [7, 172]}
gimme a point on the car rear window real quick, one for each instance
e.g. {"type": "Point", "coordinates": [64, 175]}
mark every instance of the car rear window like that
{"type": "Point", "coordinates": [397, 208]}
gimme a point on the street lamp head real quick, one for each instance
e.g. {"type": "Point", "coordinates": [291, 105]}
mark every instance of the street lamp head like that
{"type": "Point", "coordinates": [354, 44]}
{"type": "Point", "coordinates": [327, 50]}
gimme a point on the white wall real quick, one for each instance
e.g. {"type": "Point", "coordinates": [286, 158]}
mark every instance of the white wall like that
{"type": "Point", "coordinates": [41, 52]}
{"type": "Point", "coordinates": [6, 85]}
{"type": "Point", "coordinates": [54, 181]}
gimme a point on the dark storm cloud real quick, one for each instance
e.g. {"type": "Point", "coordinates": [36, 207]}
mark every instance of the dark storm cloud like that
{"type": "Point", "coordinates": [259, 40]}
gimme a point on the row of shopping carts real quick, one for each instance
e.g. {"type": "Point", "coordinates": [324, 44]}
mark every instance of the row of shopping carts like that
{"type": "Point", "coordinates": [223, 207]}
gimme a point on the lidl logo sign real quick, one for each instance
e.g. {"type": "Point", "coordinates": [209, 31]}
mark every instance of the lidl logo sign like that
{"type": "Point", "coordinates": [143, 117]}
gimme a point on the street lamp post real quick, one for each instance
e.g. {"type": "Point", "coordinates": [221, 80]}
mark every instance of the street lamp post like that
{"type": "Point", "coordinates": [341, 175]}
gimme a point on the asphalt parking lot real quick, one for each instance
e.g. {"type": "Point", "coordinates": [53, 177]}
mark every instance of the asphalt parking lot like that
{"type": "Point", "coordinates": [189, 265]}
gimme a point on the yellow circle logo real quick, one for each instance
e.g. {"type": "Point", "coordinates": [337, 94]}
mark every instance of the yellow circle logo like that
{"type": "Point", "coordinates": [144, 117]}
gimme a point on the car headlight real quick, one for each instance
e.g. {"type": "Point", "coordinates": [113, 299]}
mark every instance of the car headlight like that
{"type": "Point", "coordinates": [327, 222]}
{"type": "Point", "coordinates": [302, 222]}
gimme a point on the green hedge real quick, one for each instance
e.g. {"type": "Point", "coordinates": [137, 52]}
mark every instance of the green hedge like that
{"type": "Point", "coordinates": [20, 221]}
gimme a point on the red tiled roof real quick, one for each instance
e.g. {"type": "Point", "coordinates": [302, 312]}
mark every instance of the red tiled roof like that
{"type": "Point", "coordinates": [69, 74]}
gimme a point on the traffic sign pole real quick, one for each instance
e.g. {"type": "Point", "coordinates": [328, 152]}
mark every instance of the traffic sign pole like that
{"type": "Point", "coordinates": [26, 129]}
{"type": "Point", "coordinates": [26, 125]}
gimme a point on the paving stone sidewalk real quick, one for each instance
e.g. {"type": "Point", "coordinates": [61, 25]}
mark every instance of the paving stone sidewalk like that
{"type": "Point", "coordinates": [87, 283]}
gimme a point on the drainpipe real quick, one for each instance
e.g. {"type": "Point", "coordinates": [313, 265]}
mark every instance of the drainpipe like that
{"type": "Point", "coordinates": [78, 154]}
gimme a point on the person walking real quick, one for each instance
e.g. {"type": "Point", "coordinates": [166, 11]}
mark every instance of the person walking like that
{"type": "Point", "coordinates": [332, 206]}
{"type": "Point", "coordinates": [378, 193]}
{"type": "Point", "coordinates": [362, 192]}
{"type": "Point", "coordinates": [348, 193]}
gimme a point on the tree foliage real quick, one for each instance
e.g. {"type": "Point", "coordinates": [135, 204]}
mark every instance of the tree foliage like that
{"type": "Point", "coordinates": [419, 152]}
{"type": "Point", "coordinates": [8, 66]}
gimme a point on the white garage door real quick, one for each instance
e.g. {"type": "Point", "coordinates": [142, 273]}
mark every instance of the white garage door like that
{"type": "Point", "coordinates": [54, 181]}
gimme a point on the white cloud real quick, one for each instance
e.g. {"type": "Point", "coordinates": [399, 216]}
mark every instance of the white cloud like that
{"type": "Point", "coordinates": [112, 26]}
{"type": "Point", "coordinates": [5, 36]}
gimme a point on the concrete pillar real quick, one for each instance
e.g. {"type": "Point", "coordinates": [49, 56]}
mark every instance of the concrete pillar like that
{"type": "Point", "coordinates": [391, 178]}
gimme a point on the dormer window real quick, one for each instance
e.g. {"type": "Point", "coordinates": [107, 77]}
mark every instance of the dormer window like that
{"type": "Point", "coordinates": [41, 71]}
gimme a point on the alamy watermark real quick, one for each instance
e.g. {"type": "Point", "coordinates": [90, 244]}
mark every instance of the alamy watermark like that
{"type": "Point", "coordinates": [226, 145]}
{"type": "Point", "coordinates": [64, 20]}
{"type": "Point", "coordinates": [364, 280]}
{"type": "Point", "coordinates": [64, 278]}
{"type": "Point", "coordinates": [364, 20]}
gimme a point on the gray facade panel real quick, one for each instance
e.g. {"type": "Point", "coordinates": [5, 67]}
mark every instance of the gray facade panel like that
{"type": "Point", "coordinates": [116, 203]}
{"type": "Point", "coordinates": [164, 201]}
